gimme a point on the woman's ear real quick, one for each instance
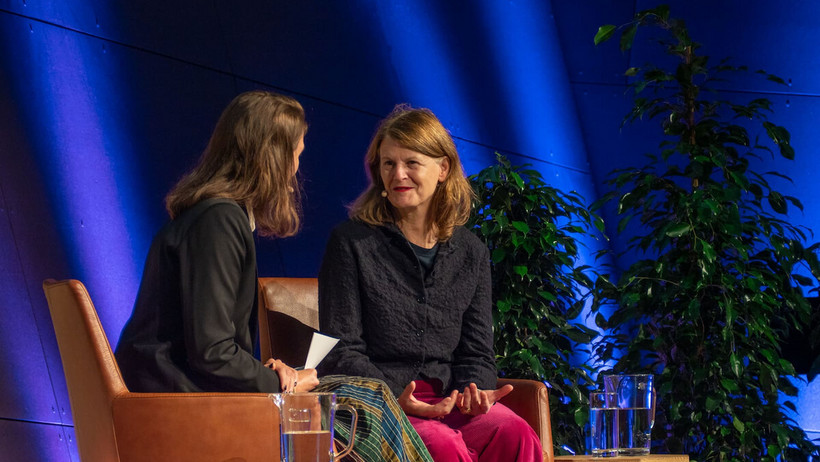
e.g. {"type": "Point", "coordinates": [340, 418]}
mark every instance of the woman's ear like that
{"type": "Point", "coordinates": [445, 169]}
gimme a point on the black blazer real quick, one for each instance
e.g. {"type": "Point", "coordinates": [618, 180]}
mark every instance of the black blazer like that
{"type": "Point", "coordinates": [194, 322]}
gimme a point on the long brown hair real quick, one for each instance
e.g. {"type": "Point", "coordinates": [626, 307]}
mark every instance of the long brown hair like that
{"type": "Point", "coordinates": [249, 159]}
{"type": "Point", "coordinates": [418, 130]}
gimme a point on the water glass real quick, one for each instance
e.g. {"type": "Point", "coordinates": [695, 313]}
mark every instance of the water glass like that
{"type": "Point", "coordinates": [603, 424]}
{"type": "Point", "coordinates": [306, 422]}
{"type": "Point", "coordinates": [636, 411]}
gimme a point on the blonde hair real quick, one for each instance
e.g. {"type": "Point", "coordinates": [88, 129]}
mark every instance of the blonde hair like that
{"type": "Point", "coordinates": [418, 130]}
{"type": "Point", "coordinates": [249, 159]}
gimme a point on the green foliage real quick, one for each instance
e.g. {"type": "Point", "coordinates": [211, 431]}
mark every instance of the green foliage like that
{"type": "Point", "coordinates": [724, 272]}
{"type": "Point", "coordinates": [538, 289]}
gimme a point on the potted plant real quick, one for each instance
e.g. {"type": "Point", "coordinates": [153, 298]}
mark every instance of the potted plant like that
{"type": "Point", "coordinates": [539, 288]}
{"type": "Point", "coordinates": [722, 272]}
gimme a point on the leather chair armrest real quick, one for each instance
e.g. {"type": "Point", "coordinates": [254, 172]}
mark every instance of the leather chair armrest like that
{"type": "Point", "coordinates": [530, 401]}
{"type": "Point", "coordinates": [196, 426]}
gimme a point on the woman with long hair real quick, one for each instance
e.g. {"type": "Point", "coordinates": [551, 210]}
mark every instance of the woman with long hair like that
{"type": "Point", "coordinates": [406, 288]}
{"type": "Point", "coordinates": [194, 323]}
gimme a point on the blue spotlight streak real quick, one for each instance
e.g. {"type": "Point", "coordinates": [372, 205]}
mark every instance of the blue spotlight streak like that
{"type": "Point", "coordinates": [81, 149]}
{"type": "Point", "coordinates": [536, 88]}
{"type": "Point", "coordinates": [425, 71]}
{"type": "Point", "coordinates": [537, 91]}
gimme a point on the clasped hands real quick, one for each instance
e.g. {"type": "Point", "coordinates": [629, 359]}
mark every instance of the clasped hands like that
{"type": "Point", "coordinates": [291, 380]}
{"type": "Point", "coordinates": [471, 401]}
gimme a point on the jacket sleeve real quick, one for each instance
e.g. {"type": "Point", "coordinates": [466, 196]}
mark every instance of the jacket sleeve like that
{"type": "Point", "coordinates": [215, 259]}
{"type": "Point", "coordinates": [474, 358]}
{"type": "Point", "coordinates": [340, 311]}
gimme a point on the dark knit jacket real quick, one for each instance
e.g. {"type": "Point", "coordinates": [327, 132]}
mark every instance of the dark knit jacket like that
{"type": "Point", "coordinates": [396, 325]}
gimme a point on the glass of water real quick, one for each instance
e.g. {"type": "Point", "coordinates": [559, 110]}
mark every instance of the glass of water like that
{"type": "Point", "coordinates": [306, 422]}
{"type": "Point", "coordinates": [636, 411]}
{"type": "Point", "coordinates": [603, 424]}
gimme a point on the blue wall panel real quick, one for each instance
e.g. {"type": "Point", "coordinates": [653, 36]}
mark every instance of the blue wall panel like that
{"type": "Point", "coordinates": [601, 109]}
{"type": "Point", "coordinates": [27, 390]}
{"type": "Point", "coordinates": [31, 442]}
{"type": "Point", "coordinates": [188, 30]}
{"type": "Point", "coordinates": [330, 51]}
{"type": "Point", "coordinates": [577, 22]}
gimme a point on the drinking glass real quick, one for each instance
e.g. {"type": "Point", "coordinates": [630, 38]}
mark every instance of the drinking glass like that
{"type": "Point", "coordinates": [306, 422]}
{"type": "Point", "coordinates": [636, 411]}
{"type": "Point", "coordinates": [603, 424]}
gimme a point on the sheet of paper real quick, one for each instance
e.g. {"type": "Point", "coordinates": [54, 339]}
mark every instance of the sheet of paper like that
{"type": "Point", "coordinates": [320, 346]}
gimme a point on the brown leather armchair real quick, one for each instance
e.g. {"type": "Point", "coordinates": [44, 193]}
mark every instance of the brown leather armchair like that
{"type": "Point", "coordinates": [289, 314]}
{"type": "Point", "coordinates": [113, 424]}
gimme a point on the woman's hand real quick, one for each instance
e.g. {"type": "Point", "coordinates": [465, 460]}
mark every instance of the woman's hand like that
{"type": "Point", "coordinates": [411, 406]}
{"type": "Point", "coordinates": [288, 377]}
{"type": "Point", "coordinates": [476, 402]}
{"type": "Point", "coordinates": [306, 380]}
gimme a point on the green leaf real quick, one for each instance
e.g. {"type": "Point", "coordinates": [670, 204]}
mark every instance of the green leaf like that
{"type": "Point", "coordinates": [737, 365]}
{"type": "Point", "coordinates": [795, 202]}
{"type": "Point", "coordinates": [518, 180]}
{"type": "Point", "coordinates": [729, 385]}
{"type": "Point", "coordinates": [548, 296]}
{"type": "Point", "coordinates": [623, 222]}
{"type": "Point", "coordinates": [787, 151]}
{"type": "Point", "coordinates": [678, 230]}
{"type": "Point", "coordinates": [777, 133]}
{"type": "Point", "coordinates": [628, 37]}
{"type": "Point", "coordinates": [708, 251]}
{"type": "Point", "coordinates": [517, 240]}
{"type": "Point", "coordinates": [599, 222]}
{"type": "Point", "coordinates": [581, 416]}
{"type": "Point", "coordinates": [662, 11]}
{"type": "Point", "coordinates": [503, 306]}
{"type": "Point", "coordinates": [604, 33]}
{"type": "Point", "coordinates": [776, 79]}
{"type": "Point", "coordinates": [520, 270]}
{"type": "Point", "coordinates": [777, 202]}
{"type": "Point", "coordinates": [521, 226]}
{"type": "Point", "coordinates": [738, 424]}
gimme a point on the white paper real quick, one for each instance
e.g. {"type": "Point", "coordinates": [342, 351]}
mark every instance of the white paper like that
{"type": "Point", "coordinates": [320, 346]}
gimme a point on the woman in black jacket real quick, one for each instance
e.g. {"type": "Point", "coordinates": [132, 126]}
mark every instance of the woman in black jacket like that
{"type": "Point", "coordinates": [194, 322]}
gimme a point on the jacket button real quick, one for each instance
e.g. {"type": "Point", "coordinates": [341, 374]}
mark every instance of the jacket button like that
{"type": "Point", "coordinates": [420, 299]}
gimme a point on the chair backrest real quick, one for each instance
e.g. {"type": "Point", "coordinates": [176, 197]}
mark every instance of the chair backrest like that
{"type": "Point", "coordinates": [92, 375]}
{"type": "Point", "coordinates": [288, 317]}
